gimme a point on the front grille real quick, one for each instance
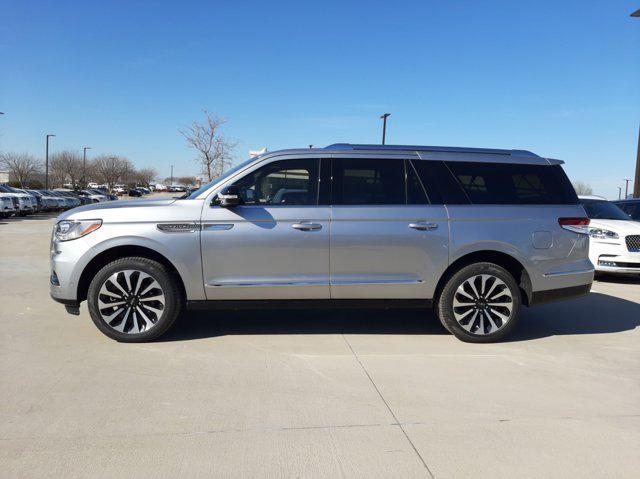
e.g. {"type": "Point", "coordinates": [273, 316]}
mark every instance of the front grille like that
{"type": "Point", "coordinates": [633, 243]}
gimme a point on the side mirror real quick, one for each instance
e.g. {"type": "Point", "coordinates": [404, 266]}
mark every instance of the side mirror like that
{"type": "Point", "coordinates": [229, 196]}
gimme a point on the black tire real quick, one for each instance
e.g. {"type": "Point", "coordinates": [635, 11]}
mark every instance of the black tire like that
{"type": "Point", "coordinates": [450, 292]}
{"type": "Point", "coordinates": [173, 300]}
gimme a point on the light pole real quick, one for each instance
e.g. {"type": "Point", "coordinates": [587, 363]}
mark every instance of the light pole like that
{"type": "Point", "coordinates": [171, 176]}
{"type": "Point", "coordinates": [46, 164]}
{"type": "Point", "coordinates": [84, 165]}
{"type": "Point", "coordinates": [626, 187]}
{"type": "Point", "coordinates": [384, 126]}
{"type": "Point", "coordinates": [636, 184]}
{"type": "Point", "coordinates": [619, 192]}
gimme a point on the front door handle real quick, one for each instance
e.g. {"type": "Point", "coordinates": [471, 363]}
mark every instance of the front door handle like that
{"type": "Point", "coordinates": [306, 226]}
{"type": "Point", "coordinates": [423, 225]}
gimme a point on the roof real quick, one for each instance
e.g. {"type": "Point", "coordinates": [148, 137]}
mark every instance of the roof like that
{"type": "Point", "coordinates": [420, 152]}
{"type": "Point", "coordinates": [439, 149]}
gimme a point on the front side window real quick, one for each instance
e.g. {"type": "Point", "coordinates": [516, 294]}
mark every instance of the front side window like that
{"type": "Point", "coordinates": [281, 183]}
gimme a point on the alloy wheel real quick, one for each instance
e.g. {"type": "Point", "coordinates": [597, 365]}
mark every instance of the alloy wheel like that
{"type": "Point", "coordinates": [483, 304]}
{"type": "Point", "coordinates": [131, 301]}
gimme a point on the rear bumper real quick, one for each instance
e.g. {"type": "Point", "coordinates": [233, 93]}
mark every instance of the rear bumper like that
{"type": "Point", "coordinates": [550, 295]}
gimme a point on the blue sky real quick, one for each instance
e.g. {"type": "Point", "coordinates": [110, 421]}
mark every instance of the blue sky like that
{"type": "Point", "coordinates": [559, 78]}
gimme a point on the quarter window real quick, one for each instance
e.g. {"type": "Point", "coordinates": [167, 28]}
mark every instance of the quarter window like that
{"type": "Point", "coordinates": [506, 183]}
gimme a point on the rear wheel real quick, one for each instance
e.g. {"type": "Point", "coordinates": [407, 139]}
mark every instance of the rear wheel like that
{"type": "Point", "coordinates": [480, 303]}
{"type": "Point", "coordinates": [134, 299]}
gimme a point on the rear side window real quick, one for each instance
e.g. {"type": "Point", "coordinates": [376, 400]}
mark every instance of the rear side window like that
{"type": "Point", "coordinates": [376, 182]}
{"type": "Point", "coordinates": [368, 182]}
{"type": "Point", "coordinates": [441, 187]}
{"type": "Point", "coordinates": [518, 184]}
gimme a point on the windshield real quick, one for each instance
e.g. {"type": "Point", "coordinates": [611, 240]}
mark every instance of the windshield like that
{"type": "Point", "coordinates": [224, 175]}
{"type": "Point", "coordinates": [603, 210]}
{"type": "Point", "coordinates": [632, 208]}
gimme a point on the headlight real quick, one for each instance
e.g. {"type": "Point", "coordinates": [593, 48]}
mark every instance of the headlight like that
{"type": "Point", "coordinates": [69, 230]}
{"type": "Point", "coordinates": [599, 233]}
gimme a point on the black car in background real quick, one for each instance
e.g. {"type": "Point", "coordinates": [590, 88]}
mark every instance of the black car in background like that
{"type": "Point", "coordinates": [135, 192]}
{"type": "Point", "coordinates": [631, 207]}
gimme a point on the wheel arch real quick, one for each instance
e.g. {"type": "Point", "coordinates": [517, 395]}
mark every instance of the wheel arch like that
{"type": "Point", "coordinates": [508, 262]}
{"type": "Point", "coordinates": [116, 252]}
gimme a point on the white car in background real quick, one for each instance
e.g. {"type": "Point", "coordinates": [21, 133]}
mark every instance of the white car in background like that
{"type": "Point", "coordinates": [26, 203]}
{"type": "Point", "coordinates": [7, 207]}
{"type": "Point", "coordinates": [614, 244]}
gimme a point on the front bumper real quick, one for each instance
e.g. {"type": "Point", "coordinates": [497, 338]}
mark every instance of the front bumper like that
{"type": "Point", "coordinates": [65, 256]}
{"type": "Point", "coordinates": [609, 257]}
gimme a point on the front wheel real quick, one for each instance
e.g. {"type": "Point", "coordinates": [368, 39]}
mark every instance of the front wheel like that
{"type": "Point", "coordinates": [134, 299]}
{"type": "Point", "coordinates": [480, 303]}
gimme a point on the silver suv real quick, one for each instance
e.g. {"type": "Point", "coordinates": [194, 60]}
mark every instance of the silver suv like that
{"type": "Point", "coordinates": [475, 233]}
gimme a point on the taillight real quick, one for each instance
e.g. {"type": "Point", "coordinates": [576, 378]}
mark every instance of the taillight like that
{"type": "Point", "coordinates": [576, 225]}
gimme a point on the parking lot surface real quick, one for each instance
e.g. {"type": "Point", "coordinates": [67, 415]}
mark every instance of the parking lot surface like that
{"type": "Point", "coordinates": [313, 393]}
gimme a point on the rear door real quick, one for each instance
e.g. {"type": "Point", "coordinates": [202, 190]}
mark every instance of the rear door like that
{"type": "Point", "coordinates": [387, 241]}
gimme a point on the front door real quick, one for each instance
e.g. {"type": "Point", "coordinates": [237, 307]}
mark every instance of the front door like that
{"type": "Point", "coordinates": [275, 245]}
{"type": "Point", "coordinates": [387, 241]}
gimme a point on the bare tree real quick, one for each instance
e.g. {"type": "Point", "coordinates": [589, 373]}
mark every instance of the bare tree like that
{"type": "Point", "coordinates": [66, 166]}
{"type": "Point", "coordinates": [146, 176]}
{"type": "Point", "coordinates": [187, 180]}
{"type": "Point", "coordinates": [22, 166]}
{"type": "Point", "coordinates": [215, 151]}
{"type": "Point", "coordinates": [110, 169]}
{"type": "Point", "coordinates": [582, 188]}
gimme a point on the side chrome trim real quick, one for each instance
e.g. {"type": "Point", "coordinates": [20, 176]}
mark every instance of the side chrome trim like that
{"type": "Point", "coordinates": [383, 281]}
{"type": "Point", "coordinates": [178, 227]}
{"type": "Point", "coordinates": [313, 283]}
{"type": "Point", "coordinates": [282, 283]}
{"type": "Point", "coordinates": [568, 273]}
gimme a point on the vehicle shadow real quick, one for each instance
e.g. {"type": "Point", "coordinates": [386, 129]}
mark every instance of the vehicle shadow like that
{"type": "Point", "coordinates": [618, 278]}
{"type": "Point", "coordinates": [595, 313]}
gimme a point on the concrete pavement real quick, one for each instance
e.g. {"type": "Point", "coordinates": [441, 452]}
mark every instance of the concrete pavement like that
{"type": "Point", "coordinates": [313, 393]}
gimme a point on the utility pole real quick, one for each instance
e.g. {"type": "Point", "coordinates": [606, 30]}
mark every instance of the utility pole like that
{"type": "Point", "coordinates": [171, 176]}
{"type": "Point", "coordinates": [84, 165]}
{"type": "Point", "coordinates": [384, 126]}
{"type": "Point", "coordinates": [626, 187]}
{"type": "Point", "coordinates": [46, 163]}
{"type": "Point", "coordinates": [636, 183]}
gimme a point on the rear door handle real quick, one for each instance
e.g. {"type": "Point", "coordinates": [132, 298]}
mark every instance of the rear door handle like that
{"type": "Point", "coordinates": [306, 226]}
{"type": "Point", "coordinates": [423, 225]}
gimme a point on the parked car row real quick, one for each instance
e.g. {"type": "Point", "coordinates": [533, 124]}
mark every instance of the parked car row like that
{"type": "Point", "coordinates": [21, 202]}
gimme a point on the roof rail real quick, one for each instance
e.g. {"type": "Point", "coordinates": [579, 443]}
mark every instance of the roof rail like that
{"type": "Point", "coordinates": [447, 149]}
